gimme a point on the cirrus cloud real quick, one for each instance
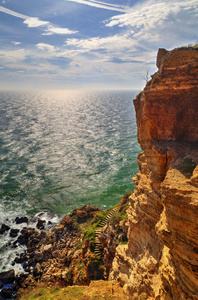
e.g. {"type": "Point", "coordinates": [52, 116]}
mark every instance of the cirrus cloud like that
{"type": "Point", "coordinates": [103, 5]}
{"type": "Point", "coordinates": [35, 22]}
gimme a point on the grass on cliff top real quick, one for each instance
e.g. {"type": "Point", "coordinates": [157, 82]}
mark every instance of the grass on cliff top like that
{"type": "Point", "coordinates": [100, 291]}
{"type": "Point", "coordinates": [45, 293]}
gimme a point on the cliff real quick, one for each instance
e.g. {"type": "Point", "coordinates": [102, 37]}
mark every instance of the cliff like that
{"type": "Point", "coordinates": [160, 260]}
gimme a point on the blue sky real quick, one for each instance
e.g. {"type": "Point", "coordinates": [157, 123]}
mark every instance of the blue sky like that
{"type": "Point", "coordinates": [71, 44]}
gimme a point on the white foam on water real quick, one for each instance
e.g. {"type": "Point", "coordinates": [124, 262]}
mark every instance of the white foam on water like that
{"type": "Point", "coordinates": [7, 252]}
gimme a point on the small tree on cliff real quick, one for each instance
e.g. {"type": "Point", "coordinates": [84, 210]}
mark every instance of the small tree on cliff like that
{"type": "Point", "coordinates": [146, 77]}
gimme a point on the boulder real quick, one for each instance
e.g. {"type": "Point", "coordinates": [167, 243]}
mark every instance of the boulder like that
{"type": "Point", "coordinates": [6, 293]}
{"type": "Point", "coordinates": [4, 228]}
{"type": "Point", "coordinates": [14, 232]}
{"type": "Point", "coordinates": [7, 276]}
{"type": "Point", "coordinates": [20, 220]}
{"type": "Point", "coordinates": [40, 224]}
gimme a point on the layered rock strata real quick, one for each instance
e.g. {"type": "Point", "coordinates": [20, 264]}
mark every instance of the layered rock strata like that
{"type": "Point", "coordinates": [160, 260]}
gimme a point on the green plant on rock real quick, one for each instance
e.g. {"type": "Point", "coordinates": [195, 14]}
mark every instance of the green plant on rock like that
{"type": "Point", "coordinates": [187, 166]}
{"type": "Point", "coordinates": [90, 234]}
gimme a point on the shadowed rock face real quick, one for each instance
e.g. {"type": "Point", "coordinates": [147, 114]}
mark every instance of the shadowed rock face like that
{"type": "Point", "coordinates": [161, 258]}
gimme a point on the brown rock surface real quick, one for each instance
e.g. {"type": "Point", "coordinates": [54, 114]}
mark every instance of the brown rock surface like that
{"type": "Point", "coordinates": [76, 251]}
{"type": "Point", "coordinates": [160, 260]}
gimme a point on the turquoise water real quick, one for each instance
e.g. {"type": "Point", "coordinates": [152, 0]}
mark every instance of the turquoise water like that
{"type": "Point", "coordinates": [63, 149]}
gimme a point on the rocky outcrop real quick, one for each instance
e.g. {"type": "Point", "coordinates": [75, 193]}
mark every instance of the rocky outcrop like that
{"type": "Point", "coordinates": [66, 255]}
{"type": "Point", "coordinates": [160, 260]}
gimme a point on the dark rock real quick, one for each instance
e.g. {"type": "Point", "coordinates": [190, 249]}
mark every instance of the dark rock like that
{"type": "Point", "coordinates": [42, 235]}
{"type": "Point", "coordinates": [14, 232]}
{"type": "Point", "coordinates": [84, 213]}
{"type": "Point", "coordinates": [37, 270]}
{"type": "Point", "coordinates": [20, 220]}
{"type": "Point", "coordinates": [38, 256]}
{"type": "Point", "coordinates": [4, 228]}
{"type": "Point", "coordinates": [14, 245]}
{"type": "Point", "coordinates": [19, 279]}
{"type": "Point", "coordinates": [67, 222]}
{"type": "Point", "coordinates": [7, 276]}
{"type": "Point", "coordinates": [6, 293]}
{"type": "Point", "coordinates": [20, 259]}
{"type": "Point", "coordinates": [1, 284]}
{"type": "Point", "coordinates": [40, 224]}
{"type": "Point", "coordinates": [24, 236]}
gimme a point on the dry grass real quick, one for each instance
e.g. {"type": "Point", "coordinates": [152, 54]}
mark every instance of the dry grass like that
{"type": "Point", "coordinates": [98, 290]}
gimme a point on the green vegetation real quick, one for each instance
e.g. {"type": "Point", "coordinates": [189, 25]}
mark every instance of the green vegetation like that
{"type": "Point", "coordinates": [193, 46]}
{"type": "Point", "coordinates": [91, 227]}
{"type": "Point", "coordinates": [187, 166]}
{"type": "Point", "coordinates": [54, 293]}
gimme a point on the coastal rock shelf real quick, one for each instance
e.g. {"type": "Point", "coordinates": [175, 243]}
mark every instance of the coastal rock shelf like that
{"type": "Point", "coordinates": [160, 260]}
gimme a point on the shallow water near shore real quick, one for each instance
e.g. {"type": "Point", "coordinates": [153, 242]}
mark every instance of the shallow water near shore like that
{"type": "Point", "coordinates": [63, 149]}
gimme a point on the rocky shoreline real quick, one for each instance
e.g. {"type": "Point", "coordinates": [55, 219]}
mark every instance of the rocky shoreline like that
{"type": "Point", "coordinates": [79, 249]}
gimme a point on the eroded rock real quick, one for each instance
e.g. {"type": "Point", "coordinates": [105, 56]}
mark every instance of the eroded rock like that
{"type": "Point", "coordinates": [160, 260]}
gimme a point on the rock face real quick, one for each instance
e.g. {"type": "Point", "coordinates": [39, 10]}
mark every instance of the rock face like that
{"type": "Point", "coordinates": [160, 260]}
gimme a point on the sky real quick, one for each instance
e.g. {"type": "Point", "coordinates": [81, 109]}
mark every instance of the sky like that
{"type": "Point", "coordinates": [85, 44]}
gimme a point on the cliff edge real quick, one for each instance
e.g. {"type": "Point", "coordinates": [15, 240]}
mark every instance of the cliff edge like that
{"type": "Point", "coordinates": [160, 260]}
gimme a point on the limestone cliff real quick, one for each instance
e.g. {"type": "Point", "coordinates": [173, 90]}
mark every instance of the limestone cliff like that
{"type": "Point", "coordinates": [160, 260]}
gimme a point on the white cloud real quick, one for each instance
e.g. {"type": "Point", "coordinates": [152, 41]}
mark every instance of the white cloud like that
{"type": "Point", "coordinates": [112, 43]}
{"type": "Point", "coordinates": [140, 31]}
{"type": "Point", "coordinates": [16, 43]}
{"type": "Point", "coordinates": [103, 5]}
{"type": "Point", "coordinates": [35, 22]}
{"type": "Point", "coordinates": [57, 30]}
{"type": "Point", "coordinates": [46, 47]}
{"type": "Point", "coordinates": [160, 23]}
{"type": "Point", "coordinates": [12, 56]}
{"type": "Point", "coordinates": [152, 14]}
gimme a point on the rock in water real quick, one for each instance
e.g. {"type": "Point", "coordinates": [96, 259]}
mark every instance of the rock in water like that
{"type": "Point", "coordinates": [161, 258]}
{"type": "Point", "coordinates": [14, 232]}
{"type": "Point", "coordinates": [7, 277]}
{"type": "Point", "coordinates": [4, 228]}
{"type": "Point", "coordinates": [40, 224]}
{"type": "Point", "coordinates": [20, 220]}
{"type": "Point", "coordinates": [6, 293]}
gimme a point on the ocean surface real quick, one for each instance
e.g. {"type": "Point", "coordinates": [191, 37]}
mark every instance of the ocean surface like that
{"type": "Point", "coordinates": [63, 149]}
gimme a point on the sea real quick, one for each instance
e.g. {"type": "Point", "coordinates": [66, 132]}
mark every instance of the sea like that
{"type": "Point", "coordinates": [60, 150]}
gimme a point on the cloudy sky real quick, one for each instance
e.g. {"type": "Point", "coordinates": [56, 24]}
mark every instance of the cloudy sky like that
{"type": "Point", "coordinates": [89, 43]}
